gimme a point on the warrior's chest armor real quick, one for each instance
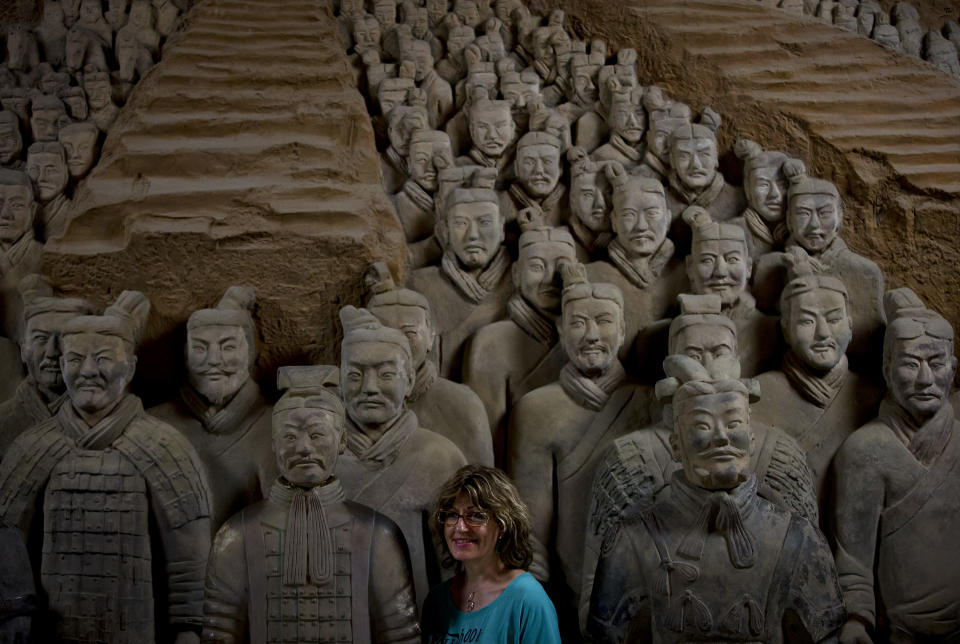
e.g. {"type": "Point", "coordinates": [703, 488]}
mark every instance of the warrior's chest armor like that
{"type": "Point", "coordinates": [96, 549]}
{"type": "Point", "coordinates": [308, 613]}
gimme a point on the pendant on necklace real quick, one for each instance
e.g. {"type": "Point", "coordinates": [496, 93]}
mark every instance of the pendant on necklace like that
{"type": "Point", "coordinates": [470, 603]}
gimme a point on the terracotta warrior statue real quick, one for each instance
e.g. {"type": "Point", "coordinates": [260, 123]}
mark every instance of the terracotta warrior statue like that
{"type": "Point", "coordinates": [938, 52]}
{"type": "Point", "coordinates": [640, 258]}
{"type": "Point", "coordinates": [538, 170]}
{"type": "Point", "coordinates": [694, 178]}
{"type": "Point", "coordinates": [509, 358]}
{"type": "Point", "coordinates": [79, 141]}
{"type": "Point", "coordinates": [582, 110]}
{"type": "Point", "coordinates": [448, 408]}
{"type": "Point", "coordinates": [220, 408]}
{"type": "Point", "coordinates": [402, 122]}
{"type": "Point", "coordinates": [591, 202]}
{"type": "Point", "coordinates": [627, 122]}
{"type": "Point", "coordinates": [663, 116]}
{"type": "Point", "coordinates": [712, 560]}
{"type": "Point", "coordinates": [11, 141]}
{"type": "Point", "coordinates": [452, 67]}
{"type": "Point", "coordinates": [815, 397]}
{"type": "Point", "coordinates": [765, 186]}
{"type": "Point", "coordinates": [305, 564]}
{"type": "Point", "coordinates": [492, 132]}
{"type": "Point", "coordinates": [391, 463]}
{"type": "Point", "coordinates": [719, 262]}
{"type": "Point", "coordinates": [18, 597]}
{"type": "Point", "coordinates": [103, 111]}
{"type": "Point", "coordinates": [471, 286]}
{"type": "Point", "coordinates": [429, 153]}
{"type": "Point", "coordinates": [52, 33]}
{"type": "Point", "coordinates": [522, 91]}
{"type": "Point", "coordinates": [559, 431]}
{"type": "Point", "coordinates": [640, 463]}
{"type": "Point", "coordinates": [897, 490]}
{"type": "Point", "coordinates": [20, 252]}
{"type": "Point", "coordinates": [43, 392]}
{"type": "Point", "coordinates": [107, 478]}
{"type": "Point", "coordinates": [814, 219]}
{"type": "Point", "coordinates": [47, 167]}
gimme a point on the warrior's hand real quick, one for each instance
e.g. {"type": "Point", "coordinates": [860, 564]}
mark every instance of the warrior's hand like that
{"type": "Point", "coordinates": [187, 637]}
{"type": "Point", "coordinates": [854, 632]}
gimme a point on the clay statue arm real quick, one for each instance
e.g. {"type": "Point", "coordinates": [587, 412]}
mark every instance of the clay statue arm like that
{"type": "Point", "coordinates": [815, 592]}
{"type": "Point", "coordinates": [226, 593]}
{"type": "Point", "coordinates": [488, 383]}
{"type": "Point", "coordinates": [619, 605]}
{"type": "Point", "coordinates": [18, 599]}
{"type": "Point", "coordinates": [860, 497]}
{"type": "Point", "coordinates": [530, 465]}
{"type": "Point", "coordinates": [393, 608]}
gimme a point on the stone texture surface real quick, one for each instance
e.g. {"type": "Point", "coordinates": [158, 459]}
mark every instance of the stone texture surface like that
{"type": "Point", "coordinates": [882, 126]}
{"type": "Point", "coordinates": [245, 157]}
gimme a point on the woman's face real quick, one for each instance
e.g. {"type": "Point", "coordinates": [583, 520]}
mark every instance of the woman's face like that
{"type": "Point", "coordinates": [466, 540]}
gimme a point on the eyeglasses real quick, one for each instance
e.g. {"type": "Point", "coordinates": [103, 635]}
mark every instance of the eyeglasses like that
{"type": "Point", "coordinates": [475, 519]}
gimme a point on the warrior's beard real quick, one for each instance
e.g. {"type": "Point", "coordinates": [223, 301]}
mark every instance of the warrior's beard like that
{"type": "Point", "coordinates": [220, 388]}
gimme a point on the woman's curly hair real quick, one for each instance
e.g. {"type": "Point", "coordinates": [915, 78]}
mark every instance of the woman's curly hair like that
{"type": "Point", "coordinates": [491, 490]}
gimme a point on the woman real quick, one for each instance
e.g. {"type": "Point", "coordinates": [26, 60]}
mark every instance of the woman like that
{"type": "Point", "coordinates": [486, 536]}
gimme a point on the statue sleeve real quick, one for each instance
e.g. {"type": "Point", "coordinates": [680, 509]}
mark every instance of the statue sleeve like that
{"type": "Point", "coordinates": [393, 607]}
{"type": "Point", "coordinates": [788, 477]}
{"type": "Point", "coordinates": [619, 603]}
{"type": "Point", "coordinates": [226, 592]}
{"type": "Point", "coordinates": [815, 593]}
{"type": "Point", "coordinates": [24, 473]}
{"type": "Point", "coordinates": [860, 493]}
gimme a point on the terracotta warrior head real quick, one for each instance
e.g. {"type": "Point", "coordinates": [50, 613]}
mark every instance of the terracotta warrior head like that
{"type": "Point", "coordinates": [814, 313]}
{"type": "Point", "coordinates": [458, 38]}
{"type": "Point", "coordinates": [402, 122]}
{"type": "Point", "coordinates": [583, 72]}
{"type": "Point", "coordinates": [97, 87]}
{"type": "Point", "coordinates": [591, 326]}
{"type": "Point", "coordinates": [491, 126]}
{"type": "Point", "coordinates": [941, 53]}
{"type": "Point", "coordinates": [401, 309]}
{"type": "Point", "coordinates": [641, 217]}
{"type": "Point", "coordinates": [702, 333]}
{"type": "Point", "coordinates": [814, 209]}
{"type": "Point", "coordinates": [44, 318]}
{"type": "Point", "coordinates": [591, 195]}
{"type": "Point", "coordinates": [366, 33]}
{"type": "Point", "coordinates": [47, 167]}
{"type": "Point", "coordinates": [17, 206]}
{"type": "Point", "coordinates": [46, 115]}
{"type": "Point", "coordinates": [719, 261]}
{"type": "Point", "coordinates": [626, 117]}
{"type": "Point", "coordinates": [918, 360]}
{"type": "Point", "coordinates": [11, 143]}
{"type": "Point", "coordinates": [436, 10]}
{"type": "Point", "coordinates": [543, 250]}
{"type": "Point", "coordinates": [417, 51]}
{"type": "Point", "coordinates": [430, 153]}
{"type": "Point", "coordinates": [693, 152]}
{"type": "Point", "coordinates": [385, 11]}
{"type": "Point", "coordinates": [520, 89]}
{"type": "Point", "coordinates": [468, 12]}
{"type": "Point", "coordinates": [308, 425]}
{"type": "Point", "coordinates": [79, 141]}
{"type": "Point", "coordinates": [537, 165]}
{"type": "Point", "coordinates": [376, 369]}
{"type": "Point", "coordinates": [712, 437]}
{"type": "Point", "coordinates": [221, 346]}
{"type": "Point", "coordinates": [763, 180]}
{"type": "Point", "coordinates": [473, 226]}
{"type": "Point", "coordinates": [98, 355]}
{"type": "Point", "coordinates": [76, 101]}
{"type": "Point", "coordinates": [664, 117]}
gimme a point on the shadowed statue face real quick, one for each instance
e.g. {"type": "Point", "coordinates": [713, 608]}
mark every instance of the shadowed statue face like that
{"type": "Point", "coordinates": [712, 345]}
{"type": "Point", "coordinates": [628, 121]}
{"type": "Point", "coordinates": [713, 440]}
{"type": "Point", "coordinates": [491, 129]}
{"type": "Point", "coordinates": [640, 221]}
{"type": "Point", "coordinates": [538, 168]}
{"type": "Point", "coordinates": [218, 361]}
{"type": "Point", "coordinates": [17, 208]}
{"type": "Point", "coordinates": [427, 159]}
{"type": "Point", "coordinates": [375, 382]}
{"type": "Point", "coordinates": [592, 333]}
{"type": "Point", "coordinates": [814, 220]}
{"type": "Point", "coordinates": [818, 328]}
{"type": "Point", "coordinates": [589, 201]}
{"type": "Point", "coordinates": [415, 324]}
{"type": "Point", "coordinates": [920, 374]}
{"type": "Point", "coordinates": [49, 173]}
{"type": "Point", "coordinates": [80, 146]}
{"type": "Point", "coordinates": [96, 370]}
{"type": "Point", "coordinates": [537, 273]}
{"type": "Point", "coordinates": [766, 190]}
{"type": "Point", "coordinates": [10, 141]}
{"type": "Point", "coordinates": [694, 161]}
{"type": "Point", "coordinates": [40, 349]}
{"type": "Point", "coordinates": [719, 266]}
{"type": "Point", "coordinates": [475, 232]}
{"type": "Point", "coordinates": [307, 443]}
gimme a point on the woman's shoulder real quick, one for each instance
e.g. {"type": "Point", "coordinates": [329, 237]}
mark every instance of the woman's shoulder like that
{"type": "Point", "coordinates": [526, 590]}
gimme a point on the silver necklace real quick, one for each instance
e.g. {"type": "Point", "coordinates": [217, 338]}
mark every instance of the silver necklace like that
{"type": "Point", "coordinates": [470, 603]}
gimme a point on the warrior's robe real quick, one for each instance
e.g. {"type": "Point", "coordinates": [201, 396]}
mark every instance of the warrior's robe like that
{"type": "Point", "coordinates": [415, 208]}
{"type": "Point", "coordinates": [557, 435]}
{"type": "Point", "coordinates": [474, 156]}
{"type": "Point", "coordinates": [555, 205]}
{"type": "Point", "coordinates": [399, 475]}
{"type": "Point", "coordinates": [758, 336]}
{"type": "Point", "coordinates": [898, 514]}
{"type": "Point", "coordinates": [817, 412]}
{"type": "Point", "coordinates": [649, 289]}
{"type": "Point", "coordinates": [18, 598]}
{"type": "Point", "coordinates": [640, 464]}
{"type": "Point", "coordinates": [112, 497]}
{"type": "Point", "coordinates": [505, 360]}
{"type": "Point", "coordinates": [23, 257]}
{"type": "Point", "coordinates": [590, 246]}
{"type": "Point", "coordinates": [452, 410]}
{"type": "Point", "coordinates": [462, 302]}
{"type": "Point", "coordinates": [11, 374]}
{"type": "Point", "coordinates": [669, 574]}
{"type": "Point", "coordinates": [25, 409]}
{"type": "Point", "coordinates": [368, 596]}
{"type": "Point", "coordinates": [234, 443]}
{"type": "Point", "coordinates": [619, 150]}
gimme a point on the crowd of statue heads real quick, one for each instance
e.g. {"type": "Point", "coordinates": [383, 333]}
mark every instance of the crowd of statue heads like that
{"type": "Point", "coordinates": [899, 30]}
{"type": "Point", "coordinates": [723, 425]}
{"type": "Point", "coordinates": [62, 83]}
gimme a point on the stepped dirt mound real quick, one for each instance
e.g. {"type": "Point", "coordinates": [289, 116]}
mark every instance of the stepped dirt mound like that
{"type": "Point", "coordinates": [245, 156]}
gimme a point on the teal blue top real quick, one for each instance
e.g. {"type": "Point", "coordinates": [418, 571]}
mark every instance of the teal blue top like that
{"type": "Point", "coordinates": [522, 613]}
